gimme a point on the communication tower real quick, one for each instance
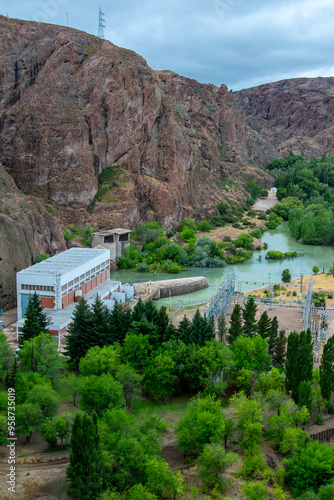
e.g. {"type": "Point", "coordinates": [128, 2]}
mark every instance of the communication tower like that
{"type": "Point", "coordinates": [100, 32]}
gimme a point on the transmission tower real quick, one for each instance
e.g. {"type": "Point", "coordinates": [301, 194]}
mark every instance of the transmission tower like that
{"type": "Point", "coordinates": [100, 32]}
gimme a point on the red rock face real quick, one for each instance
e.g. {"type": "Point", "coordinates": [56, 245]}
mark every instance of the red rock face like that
{"type": "Point", "coordinates": [72, 105]}
{"type": "Point", "coordinates": [293, 115]}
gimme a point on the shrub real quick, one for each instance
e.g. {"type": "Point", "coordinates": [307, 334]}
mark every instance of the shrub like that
{"type": "Point", "coordinates": [174, 268]}
{"type": "Point", "coordinates": [227, 238]}
{"type": "Point", "coordinates": [187, 234]}
{"type": "Point", "coordinates": [143, 267]}
{"type": "Point", "coordinates": [319, 420]}
{"type": "Point", "coordinates": [223, 208]}
{"type": "Point", "coordinates": [294, 293]}
{"type": "Point", "coordinates": [42, 256]}
{"type": "Point", "coordinates": [255, 491]}
{"type": "Point", "coordinates": [204, 226]}
{"type": "Point", "coordinates": [256, 233]}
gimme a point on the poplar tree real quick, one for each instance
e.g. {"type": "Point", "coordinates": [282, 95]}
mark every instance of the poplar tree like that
{"type": "Point", "coordinates": [264, 325]}
{"type": "Point", "coordinates": [273, 336]}
{"type": "Point", "coordinates": [327, 370]}
{"type": "Point", "coordinates": [248, 315]}
{"type": "Point", "coordinates": [279, 350]}
{"type": "Point", "coordinates": [306, 355]}
{"type": "Point", "coordinates": [222, 328]}
{"type": "Point", "coordinates": [84, 473]}
{"type": "Point", "coordinates": [299, 361]}
{"type": "Point", "coordinates": [235, 324]}
{"type": "Point", "coordinates": [36, 321]}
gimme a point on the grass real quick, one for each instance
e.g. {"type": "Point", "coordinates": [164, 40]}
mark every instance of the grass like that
{"type": "Point", "coordinates": [168, 411]}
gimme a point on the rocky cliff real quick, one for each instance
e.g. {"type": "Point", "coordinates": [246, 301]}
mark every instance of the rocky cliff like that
{"type": "Point", "coordinates": [293, 115]}
{"type": "Point", "coordinates": [72, 105]}
{"type": "Point", "coordinates": [26, 230]}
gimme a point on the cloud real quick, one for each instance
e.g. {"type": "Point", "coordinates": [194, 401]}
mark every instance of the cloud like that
{"type": "Point", "coordinates": [240, 43]}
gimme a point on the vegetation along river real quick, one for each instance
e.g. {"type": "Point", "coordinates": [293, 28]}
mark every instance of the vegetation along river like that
{"type": "Point", "coordinates": [251, 270]}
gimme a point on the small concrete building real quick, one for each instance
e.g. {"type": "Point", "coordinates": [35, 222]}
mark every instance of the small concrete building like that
{"type": "Point", "coordinates": [62, 280]}
{"type": "Point", "coordinates": [115, 240]}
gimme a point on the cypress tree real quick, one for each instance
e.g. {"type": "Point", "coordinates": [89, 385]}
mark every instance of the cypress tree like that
{"type": "Point", "coordinates": [80, 337]}
{"type": "Point", "coordinates": [292, 365]}
{"type": "Point", "coordinates": [36, 321]}
{"type": "Point", "coordinates": [84, 474]}
{"type": "Point", "coordinates": [248, 315]}
{"type": "Point", "coordinates": [327, 370]}
{"type": "Point", "coordinates": [184, 330]}
{"type": "Point", "coordinates": [263, 325]}
{"type": "Point", "coordinates": [279, 350]}
{"type": "Point", "coordinates": [273, 336]}
{"type": "Point", "coordinates": [222, 328]}
{"type": "Point", "coordinates": [305, 355]}
{"type": "Point", "coordinates": [235, 324]}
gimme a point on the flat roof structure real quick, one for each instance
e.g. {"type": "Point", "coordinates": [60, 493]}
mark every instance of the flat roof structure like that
{"type": "Point", "coordinates": [64, 262]}
{"type": "Point", "coordinates": [118, 230]}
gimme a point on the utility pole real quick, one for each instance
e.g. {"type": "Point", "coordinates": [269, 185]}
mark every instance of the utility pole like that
{"type": "Point", "coordinates": [100, 32]}
{"type": "Point", "coordinates": [301, 283]}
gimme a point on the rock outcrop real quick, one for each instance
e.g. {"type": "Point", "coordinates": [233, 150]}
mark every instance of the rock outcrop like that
{"type": "Point", "coordinates": [293, 115]}
{"type": "Point", "coordinates": [26, 230]}
{"type": "Point", "coordinates": [72, 104]}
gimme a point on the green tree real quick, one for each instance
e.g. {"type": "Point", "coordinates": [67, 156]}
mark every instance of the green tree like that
{"type": "Point", "coordinates": [130, 380]}
{"type": "Point", "coordinates": [203, 422]}
{"type": "Point", "coordinates": [98, 393]}
{"type": "Point", "coordinates": [279, 349]}
{"type": "Point", "coordinates": [3, 430]}
{"type": "Point", "coordinates": [63, 424]}
{"type": "Point", "coordinates": [98, 360]}
{"type": "Point", "coordinates": [40, 354]}
{"type": "Point", "coordinates": [214, 461]}
{"type": "Point", "coordinates": [160, 377]}
{"type": "Point", "coordinates": [36, 320]}
{"type": "Point", "coordinates": [326, 492]}
{"type": "Point", "coordinates": [48, 432]}
{"type": "Point", "coordinates": [305, 394]}
{"type": "Point", "coordinates": [71, 383]}
{"type": "Point", "coordinates": [251, 353]}
{"type": "Point", "coordinates": [273, 336]}
{"type": "Point", "coordinates": [79, 340]}
{"type": "Point", "coordinates": [235, 324]}
{"type": "Point", "coordinates": [286, 276]}
{"type": "Point", "coordinates": [28, 417]}
{"type": "Point", "coordinates": [223, 208]}
{"type": "Point", "coordinates": [7, 356]}
{"type": "Point", "coordinates": [315, 269]}
{"type": "Point", "coordinates": [264, 325]}
{"type": "Point", "coordinates": [84, 472]}
{"type": "Point", "coordinates": [293, 440]}
{"type": "Point", "coordinates": [136, 351]}
{"type": "Point", "coordinates": [161, 480]}
{"type": "Point", "coordinates": [201, 329]}
{"type": "Point", "coordinates": [327, 370]}
{"type": "Point", "coordinates": [249, 322]}
{"type": "Point", "coordinates": [45, 398]}
{"type": "Point", "coordinates": [222, 328]}
{"type": "Point", "coordinates": [184, 330]}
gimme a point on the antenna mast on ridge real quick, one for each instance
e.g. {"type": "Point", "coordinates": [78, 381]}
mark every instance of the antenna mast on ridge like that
{"type": "Point", "coordinates": [100, 32]}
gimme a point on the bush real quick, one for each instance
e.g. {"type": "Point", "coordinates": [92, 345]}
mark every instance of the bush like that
{"type": "Point", "coordinates": [255, 491]}
{"type": "Point", "coordinates": [143, 267]}
{"type": "Point", "coordinates": [187, 234]}
{"type": "Point", "coordinates": [256, 233]}
{"type": "Point", "coordinates": [227, 238]}
{"type": "Point", "coordinates": [174, 268]}
{"type": "Point", "coordinates": [320, 420]}
{"type": "Point", "coordinates": [294, 293]}
{"type": "Point", "coordinates": [42, 256]}
{"type": "Point", "coordinates": [223, 208]}
{"type": "Point", "coordinates": [286, 276]}
{"type": "Point", "coordinates": [204, 226]}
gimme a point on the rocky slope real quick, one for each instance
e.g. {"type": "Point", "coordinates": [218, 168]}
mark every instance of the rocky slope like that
{"type": "Point", "coordinates": [293, 115]}
{"type": "Point", "coordinates": [26, 230]}
{"type": "Point", "coordinates": [72, 105]}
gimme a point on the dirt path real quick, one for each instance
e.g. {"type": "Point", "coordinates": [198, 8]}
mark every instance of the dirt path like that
{"type": "Point", "coordinates": [265, 203]}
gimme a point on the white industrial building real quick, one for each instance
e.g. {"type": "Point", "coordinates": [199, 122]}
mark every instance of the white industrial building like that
{"type": "Point", "coordinates": [63, 279]}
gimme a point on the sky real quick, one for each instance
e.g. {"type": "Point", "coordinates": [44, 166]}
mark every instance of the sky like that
{"type": "Point", "coordinates": [239, 43]}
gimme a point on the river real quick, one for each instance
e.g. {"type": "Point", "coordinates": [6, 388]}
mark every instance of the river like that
{"type": "Point", "coordinates": [251, 270]}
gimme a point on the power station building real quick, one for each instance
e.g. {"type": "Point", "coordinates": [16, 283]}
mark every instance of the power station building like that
{"type": "Point", "coordinates": [62, 280]}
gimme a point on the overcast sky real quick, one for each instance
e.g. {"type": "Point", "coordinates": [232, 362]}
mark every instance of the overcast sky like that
{"type": "Point", "coordinates": [241, 43]}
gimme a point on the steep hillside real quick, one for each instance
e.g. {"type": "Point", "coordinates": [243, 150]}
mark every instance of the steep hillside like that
{"type": "Point", "coordinates": [72, 105]}
{"type": "Point", "coordinates": [293, 115]}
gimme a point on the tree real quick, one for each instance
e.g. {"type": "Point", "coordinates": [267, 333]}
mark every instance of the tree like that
{"type": "Point", "coordinates": [40, 354]}
{"type": "Point", "coordinates": [161, 480]}
{"type": "Point", "coordinates": [273, 336]}
{"type": "Point", "coordinates": [293, 439]}
{"type": "Point", "coordinates": [315, 269]}
{"type": "Point", "coordinates": [130, 380]}
{"type": "Point", "coordinates": [203, 422]}
{"type": "Point", "coordinates": [28, 417]}
{"type": "Point", "coordinates": [79, 340]}
{"type": "Point", "coordinates": [327, 370]}
{"type": "Point", "coordinates": [264, 325]}
{"type": "Point", "coordinates": [72, 384]}
{"type": "Point", "coordinates": [136, 350]}
{"type": "Point", "coordinates": [98, 360]}
{"type": "Point", "coordinates": [48, 432]}
{"type": "Point", "coordinates": [36, 320]}
{"type": "Point", "coordinates": [160, 377]}
{"type": "Point", "coordinates": [84, 472]}
{"type": "Point", "coordinates": [99, 323]}
{"type": "Point", "coordinates": [249, 322]}
{"type": "Point", "coordinates": [184, 330]}
{"type": "Point", "coordinates": [235, 324]}
{"type": "Point", "coordinates": [213, 461]}
{"type": "Point", "coordinates": [222, 208]}
{"type": "Point", "coordinates": [279, 349]}
{"type": "Point", "coordinates": [286, 276]}
{"type": "Point", "coordinates": [250, 418]}
{"type": "Point", "coordinates": [222, 328]}
{"type": "Point", "coordinates": [201, 329]}
{"type": "Point", "coordinates": [3, 430]}
{"type": "Point", "coordinates": [7, 356]}
{"type": "Point", "coordinates": [63, 424]}
{"type": "Point", "coordinates": [98, 393]}
{"type": "Point", "coordinates": [292, 365]}
{"type": "Point", "coordinates": [305, 394]}
{"type": "Point", "coordinates": [45, 398]}
{"type": "Point", "coordinates": [251, 353]}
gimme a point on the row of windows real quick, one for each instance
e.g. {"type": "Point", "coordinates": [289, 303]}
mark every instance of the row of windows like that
{"type": "Point", "coordinates": [78, 282]}
{"type": "Point", "coordinates": [38, 288]}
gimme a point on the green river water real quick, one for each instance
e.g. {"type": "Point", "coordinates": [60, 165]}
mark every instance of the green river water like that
{"type": "Point", "coordinates": [251, 270]}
